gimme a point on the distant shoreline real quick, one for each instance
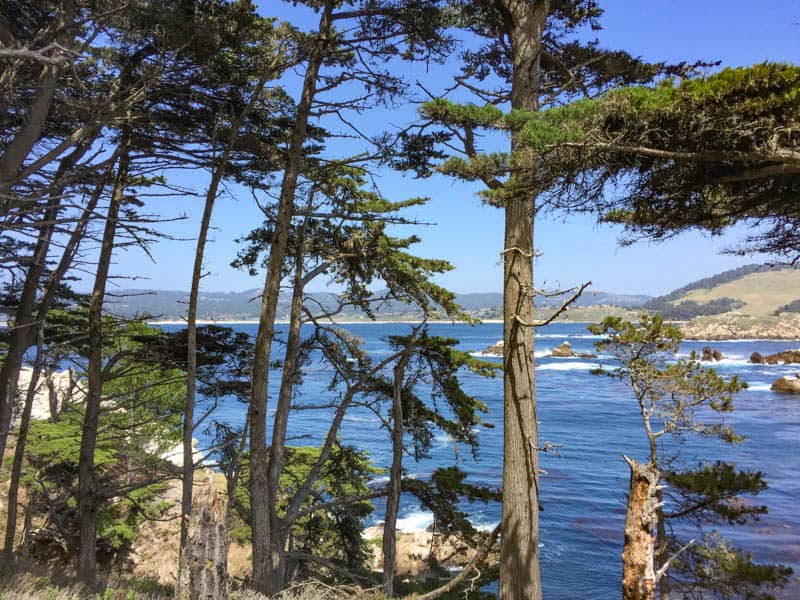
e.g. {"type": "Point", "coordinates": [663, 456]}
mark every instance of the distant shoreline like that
{"type": "Point", "coordinates": [350, 322]}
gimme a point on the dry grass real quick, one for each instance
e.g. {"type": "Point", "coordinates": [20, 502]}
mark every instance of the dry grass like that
{"type": "Point", "coordinates": [762, 293]}
{"type": "Point", "coordinates": [28, 587]}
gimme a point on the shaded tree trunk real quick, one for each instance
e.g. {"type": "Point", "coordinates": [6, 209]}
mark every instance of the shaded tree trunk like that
{"type": "Point", "coordinates": [19, 453]}
{"type": "Point", "coordinates": [88, 494]}
{"type": "Point", "coordinates": [395, 479]}
{"type": "Point", "coordinates": [519, 551]}
{"type": "Point", "coordinates": [279, 529]}
{"type": "Point", "coordinates": [638, 563]}
{"type": "Point", "coordinates": [265, 572]}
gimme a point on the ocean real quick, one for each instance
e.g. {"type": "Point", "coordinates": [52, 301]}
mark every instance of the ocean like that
{"type": "Point", "coordinates": [592, 420]}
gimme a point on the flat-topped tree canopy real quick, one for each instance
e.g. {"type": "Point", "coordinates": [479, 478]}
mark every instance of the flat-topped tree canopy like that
{"type": "Point", "coordinates": [696, 153]}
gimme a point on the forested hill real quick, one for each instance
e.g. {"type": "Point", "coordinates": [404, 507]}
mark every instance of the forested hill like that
{"type": "Point", "coordinates": [234, 306]}
{"type": "Point", "coordinates": [753, 290]}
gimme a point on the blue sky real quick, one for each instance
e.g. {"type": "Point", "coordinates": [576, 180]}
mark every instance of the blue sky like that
{"type": "Point", "coordinates": [468, 234]}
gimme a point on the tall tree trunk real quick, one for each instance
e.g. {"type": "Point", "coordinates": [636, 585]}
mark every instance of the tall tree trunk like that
{"type": "Point", "coordinates": [279, 529]}
{"type": "Point", "coordinates": [261, 519]}
{"type": "Point", "coordinates": [395, 478]}
{"type": "Point", "coordinates": [191, 321]}
{"type": "Point", "coordinates": [88, 494]}
{"type": "Point", "coordinates": [638, 565]}
{"type": "Point", "coordinates": [519, 552]}
{"type": "Point", "coordinates": [19, 453]}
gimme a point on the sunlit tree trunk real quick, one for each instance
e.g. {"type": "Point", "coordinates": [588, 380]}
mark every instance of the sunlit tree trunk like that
{"type": "Point", "coordinates": [519, 553]}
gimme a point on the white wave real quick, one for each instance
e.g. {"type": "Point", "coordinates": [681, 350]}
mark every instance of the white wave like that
{"type": "Point", "coordinates": [566, 336]}
{"type": "Point", "coordinates": [415, 521]}
{"type": "Point", "coordinates": [569, 366]}
{"type": "Point", "coordinates": [546, 353]}
{"type": "Point", "coordinates": [360, 419]}
{"type": "Point", "coordinates": [379, 480]}
{"type": "Point", "coordinates": [485, 526]}
{"type": "Point", "coordinates": [442, 439]}
{"type": "Point", "coordinates": [759, 387]}
{"type": "Point", "coordinates": [743, 341]}
{"type": "Point", "coordinates": [484, 355]}
{"type": "Point", "coordinates": [728, 362]}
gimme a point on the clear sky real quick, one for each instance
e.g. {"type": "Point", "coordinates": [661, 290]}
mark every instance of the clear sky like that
{"type": "Point", "coordinates": [468, 234]}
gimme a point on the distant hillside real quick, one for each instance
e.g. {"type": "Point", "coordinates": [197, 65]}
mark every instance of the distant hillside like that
{"type": "Point", "coordinates": [753, 290]}
{"type": "Point", "coordinates": [236, 306]}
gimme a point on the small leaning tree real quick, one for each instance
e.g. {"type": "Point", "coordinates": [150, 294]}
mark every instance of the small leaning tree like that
{"type": "Point", "coordinates": [678, 399]}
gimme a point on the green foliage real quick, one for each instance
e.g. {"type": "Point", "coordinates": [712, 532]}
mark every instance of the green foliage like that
{"type": "Point", "coordinates": [442, 494]}
{"type": "Point", "coordinates": [333, 533]}
{"type": "Point", "coordinates": [463, 115]}
{"type": "Point", "coordinates": [793, 306]}
{"type": "Point", "coordinates": [140, 421]}
{"type": "Point", "coordinates": [688, 309]}
{"type": "Point", "coordinates": [703, 152]}
{"type": "Point", "coordinates": [714, 490]}
{"type": "Point", "coordinates": [714, 567]}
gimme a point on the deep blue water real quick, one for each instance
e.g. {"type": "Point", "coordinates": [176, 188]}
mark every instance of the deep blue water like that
{"type": "Point", "coordinates": [595, 420]}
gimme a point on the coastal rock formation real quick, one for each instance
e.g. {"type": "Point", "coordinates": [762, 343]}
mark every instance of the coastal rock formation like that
{"type": "Point", "coordinates": [711, 355]}
{"type": "Point", "coordinates": [416, 548]}
{"type": "Point", "coordinates": [496, 350]}
{"type": "Point", "coordinates": [787, 357]}
{"type": "Point", "coordinates": [731, 327]}
{"type": "Point", "coordinates": [790, 384]}
{"type": "Point", "coordinates": [563, 351]}
{"type": "Point", "coordinates": [566, 351]}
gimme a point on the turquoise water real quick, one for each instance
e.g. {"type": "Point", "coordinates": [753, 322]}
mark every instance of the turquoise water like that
{"type": "Point", "coordinates": [595, 420]}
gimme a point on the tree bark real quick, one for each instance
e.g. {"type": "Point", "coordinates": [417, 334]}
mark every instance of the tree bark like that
{"type": "Point", "coordinates": [263, 573]}
{"type": "Point", "coordinates": [519, 551]}
{"type": "Point", "coordinates": [204, 557]}
{"type": "Point", "coordinates": [638, 563]}
{"type": "Point", "coordinates": [88, 494]}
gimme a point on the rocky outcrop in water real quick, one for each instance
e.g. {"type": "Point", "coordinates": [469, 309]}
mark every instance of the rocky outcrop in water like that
{"type": "Point", "coordinates": [787, 357]}
{"type": "Point", "coordinates": [496, 350]}
{"type": "Point", "coordinates": [563, 351]}
{"type": "Point", "coordinates": [711, 355]}
{"type": "Point", "coordinates": [790, 384]}
{"type": "Point", "coordinates": [566, 351]}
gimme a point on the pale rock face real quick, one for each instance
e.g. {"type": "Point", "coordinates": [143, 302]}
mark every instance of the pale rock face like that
{"type": "Point", "coordinates": [60, 383]}
{"type": "Point", "coordinates": [726, 327]}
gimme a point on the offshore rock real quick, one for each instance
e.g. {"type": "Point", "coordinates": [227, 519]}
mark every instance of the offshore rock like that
{"type": "Point", "coordinates": [711, 355]}
{"type": "Point", "coordinates": [496, 350]}
{"type": "Point", "coordinates": [563, 351]}
{"type": "Point", "coordinates": [787, 357]}
{"type": "Point", "coordinates": [790, 384]}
